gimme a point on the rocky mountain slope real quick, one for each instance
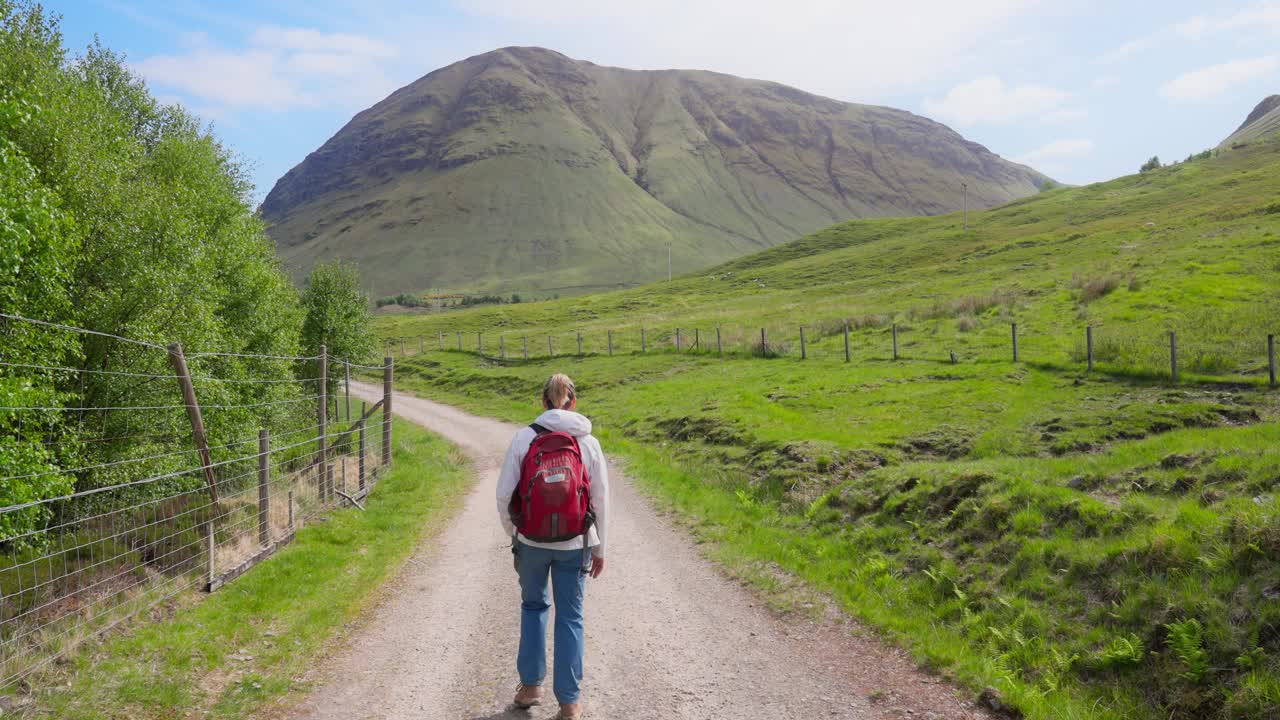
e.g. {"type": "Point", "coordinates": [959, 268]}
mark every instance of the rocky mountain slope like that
{"type": "Point", "coordinates": [1264, 120]}
{"type": "Point", "coordinates": [522, 169]}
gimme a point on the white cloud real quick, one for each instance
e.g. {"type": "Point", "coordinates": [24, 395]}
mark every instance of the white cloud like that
{"type": "Point", "coordinates": [989, 100]}
{"type": "Point", "coordinates": [282, 38]}
{"type": "Point", "coordinates": [1127, 50]}
{"type": "Point", "coordinates": [1211, 82]}
{"type": "Point", "coordinates": [280, 69]}
{"type": "Point", "coordinates": [1057, 150]}
{"type": "Point", "coordinates": [848, 49]}
{"type": "Point", "coordinates": [1065, 116]}
{"type": "Point", "coordinates": [1263, 16]}
{"type": "Point", "coordinates": [1106, 81]}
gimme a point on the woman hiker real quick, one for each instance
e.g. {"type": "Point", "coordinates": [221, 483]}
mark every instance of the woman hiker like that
{"type": "Point", "coordinates": [553, 499]}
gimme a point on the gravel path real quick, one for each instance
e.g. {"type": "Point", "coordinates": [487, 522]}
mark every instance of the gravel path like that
{"type": "Point", "coordinates": [668, 635]}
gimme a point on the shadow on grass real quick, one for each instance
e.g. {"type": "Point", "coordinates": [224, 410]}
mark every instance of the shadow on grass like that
{"type": "Point", "coordinates": [1145, 377]}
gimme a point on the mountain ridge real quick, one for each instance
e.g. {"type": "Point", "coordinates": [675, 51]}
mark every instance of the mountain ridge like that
{"type": "Point", "coordinates": [430, 186]}
{"type": "Point", "coordinates": [1264, 119]}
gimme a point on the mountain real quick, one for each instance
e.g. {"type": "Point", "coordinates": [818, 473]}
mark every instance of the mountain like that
{"type": "Point", "coordinates": [1264, 120]}
{"type": "Point", "coordinates": [522, 169]}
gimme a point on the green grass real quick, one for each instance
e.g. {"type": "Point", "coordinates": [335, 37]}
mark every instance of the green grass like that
{"type": "Point", "coordinates": [242, 649]}
{"type": "Point", "coordinates": [1092, 545]}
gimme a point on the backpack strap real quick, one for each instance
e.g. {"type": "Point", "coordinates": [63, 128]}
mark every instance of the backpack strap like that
{"type": "Point", "coordinates": [538, 429]}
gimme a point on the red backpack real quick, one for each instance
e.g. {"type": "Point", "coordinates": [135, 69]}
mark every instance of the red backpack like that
{"type": "Point", "coordinates": [553, 500]}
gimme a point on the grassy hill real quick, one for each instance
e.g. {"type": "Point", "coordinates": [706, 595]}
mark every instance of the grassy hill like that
{"type": "Point", "coordinates": [1087, 544]}
{"type": "Point", "coordinates": [522, 169]}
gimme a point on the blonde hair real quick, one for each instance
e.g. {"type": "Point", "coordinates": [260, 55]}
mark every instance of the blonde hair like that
{"type": "Point", "coordinates": [558, 392]}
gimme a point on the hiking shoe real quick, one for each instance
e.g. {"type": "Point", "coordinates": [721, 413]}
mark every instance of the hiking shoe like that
{"type": "Point", "coordinates": [528, 696]}
{"type": "Point", "coordinates": [570, 712]}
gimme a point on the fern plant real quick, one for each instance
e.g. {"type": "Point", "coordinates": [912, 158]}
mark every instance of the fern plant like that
{"type": "Point", "coordinates": [1123, 651]}
{"type": "Point", "coordinates": [1186, 640]}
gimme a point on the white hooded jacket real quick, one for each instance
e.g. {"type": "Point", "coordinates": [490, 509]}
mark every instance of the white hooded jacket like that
{"type": "Point", "coordinates": [593, 460]}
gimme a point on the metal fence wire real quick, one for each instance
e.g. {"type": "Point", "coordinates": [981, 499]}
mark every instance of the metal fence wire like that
{"type": "Point", "coordinates": [1121, 349]}
{"type": "Point", "coordinates": [208, 469]}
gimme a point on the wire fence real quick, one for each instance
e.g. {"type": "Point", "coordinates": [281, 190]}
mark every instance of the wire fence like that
{"type": "Point", "coordinates": [180, 473]}
{"type": "Point", "coordinates": [1127, 350]}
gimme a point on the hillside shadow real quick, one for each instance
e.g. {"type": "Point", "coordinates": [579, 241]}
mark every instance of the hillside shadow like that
{"type": "Point", "coordinates": [1141, 377]}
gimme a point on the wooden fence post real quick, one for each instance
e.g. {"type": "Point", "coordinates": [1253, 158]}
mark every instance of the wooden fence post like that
{"type": "Point", "coordinates": [346, 385]}
{"type": "Point", "coordinates": [579, 344]}
{"type": "Point", "coordinates": [642, 345]}
{"type": "Point", "coordinates": [697, 339]}
{"type": "Point", "coordinates": [525, 339]}
{"type": "Point", "coordinates": [954, 359]}
{"type": "Point", "coordinates": [1014, 329]}
{"type": "Point", "coordinates": [290, 509]}
{"type": "Point", "coordinates": [387, 372]}
{"type": "Point", "coordinates": [1088, 341]}
{"type": "Point", "coordinates": [440, 339]}
{"type": "Point", "coordinates": [764, 343]}
{"type": "Point", "coordinates": [193, 414]}
{"type": "Point", "coordinates": [1173, 356]}
{"type": "Point", "coordinates": [610, 343]}
{"type": "Point", "coordinates": [401, 347]}
{"type": "Point", "coordinates": [459, 340]}
{"type": "Point", "coordinates": [479, 344]}
{"type": "Point", "coordinates": [804, 353]}
{"type": "Point", "coordinates": [502, 346]}
{"type": "Point", "coordinates": [1271, 357]}
{"type": "Point", "coordinates": [895, 341]}
{"type": "Point", "coordinates": [551, 348]}
{"type": "Point", "coordinates": [678, 340]}
{"type": "Point", "coordinates": [847, 356]}
{"type": "Point", "coordinates": [360, 466]}
{"type": "Point", "coordinates": [323, 451]}
{"type": "Point", "coordinates": [264, 485]}
{"type": "Point", "coordinates": [719, 346]}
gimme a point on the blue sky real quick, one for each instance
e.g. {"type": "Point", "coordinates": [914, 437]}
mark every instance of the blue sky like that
{"type": "Point", "coordinates": [1083, 91]}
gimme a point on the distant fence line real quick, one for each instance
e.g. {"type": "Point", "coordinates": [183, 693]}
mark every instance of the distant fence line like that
{"type": "Point", "coordinates": [1090, 350]}
{"type": "Point", "coordinates": [81, 563]}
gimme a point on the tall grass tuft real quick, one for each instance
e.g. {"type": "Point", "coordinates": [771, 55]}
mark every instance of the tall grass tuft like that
{"type": "Point", "coordinates": [1090, 289]}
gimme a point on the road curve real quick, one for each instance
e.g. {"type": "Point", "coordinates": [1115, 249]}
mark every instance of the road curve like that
{"type": "Point", "coordinates": [668, 635]}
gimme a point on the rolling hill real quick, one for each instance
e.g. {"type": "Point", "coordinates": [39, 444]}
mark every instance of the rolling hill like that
{"type": "Point", "coordinates": [522, 169]}
{"type": "Point", "coordinates": [1264, 120]}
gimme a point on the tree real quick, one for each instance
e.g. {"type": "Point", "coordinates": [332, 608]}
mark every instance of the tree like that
{"type": "Point", "coordinates": [1152, 164]}
{"type": "Point", "coordinates": [37, 241]}
{"type": "Point", "coordinates": [338, 314]}
{"type": "Point", "coordinates": [125, 217]}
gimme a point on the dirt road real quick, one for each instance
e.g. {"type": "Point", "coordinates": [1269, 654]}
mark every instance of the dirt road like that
{"type": "Point", "coordinates": [668, 635]}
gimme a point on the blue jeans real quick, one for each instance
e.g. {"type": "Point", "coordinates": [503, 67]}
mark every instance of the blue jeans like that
{"type": "Point", "coordinates": [568, 584]}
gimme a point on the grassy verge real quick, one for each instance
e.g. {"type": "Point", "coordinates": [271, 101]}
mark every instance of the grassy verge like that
{"type": "Point", "coordinates": [1091, 546]}
{"type": "Point", "coordinates": [243, 648]}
